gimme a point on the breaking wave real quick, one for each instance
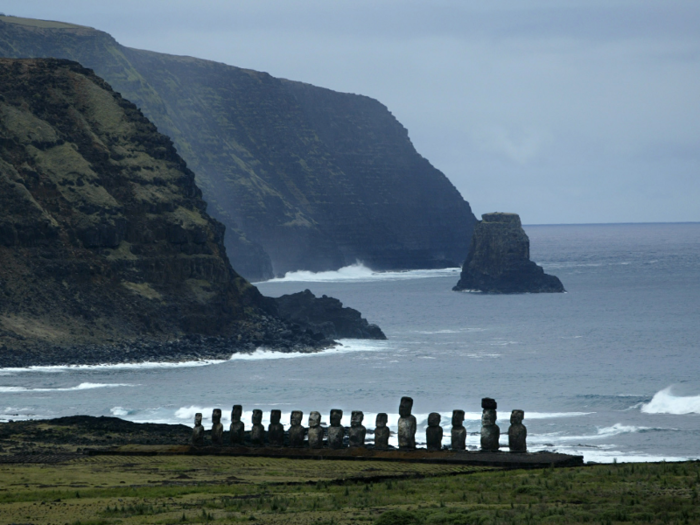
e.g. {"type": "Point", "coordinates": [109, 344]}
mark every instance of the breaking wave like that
{"type": "Point", "coordinates": [664, 402]}
{"type": "Point", "coordinates": [358, 272]}
{"type": "Point", "coordinates": [81, 386]}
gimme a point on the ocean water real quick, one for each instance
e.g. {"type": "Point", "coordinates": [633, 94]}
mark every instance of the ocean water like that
{"type": "Point", "coordinates": [609, 370]}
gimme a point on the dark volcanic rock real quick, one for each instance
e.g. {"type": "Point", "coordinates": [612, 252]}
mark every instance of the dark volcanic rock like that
{"type": "Point", "coordinates": [499, 259]}
{"type": "Point", "coordinates": [106, 251]}
{"type": "Point", "coordinates": [302, 177]}
{"type": "Point", "coordinates": [326, 315]}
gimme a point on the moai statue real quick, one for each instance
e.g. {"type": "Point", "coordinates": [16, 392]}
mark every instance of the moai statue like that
{"type": "Point", "coordinates": [198, 431]}
{"type": "Point", "coordinates": [459, 433]}
{"type": "Point", "coordinates": [275, 431]}
{"type": "Point", "coordinates": [296, 430]}
{"type": "Point", "coordinates": [381, 432]}
{"type": "Point", "coordinates": [315, 430]}
{"type": "Point", "coordinates": [490, 433]}
{"type": "Point", "coordinates": [433, 434]}
{"type": "Point", "coordinates": [237, 428]}
{"type": "Point", "coordinates": [357, 432]}
{"type": "Point", "coordinates": [336, 432]}
{"type": "Point", "coordinates": [217, 429]}
{"type": "Point", "coordinates": [407, 425]}
{"type": "Point", "coordinates": [517, 433]}
{"type": "Point", "coordinates": [257, 433]}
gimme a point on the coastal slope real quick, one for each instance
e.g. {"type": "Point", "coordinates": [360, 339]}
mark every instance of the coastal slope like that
{"type": "Point", "coordinates": [106, 251]}
{"type": "Point", "coordinates": [304, 178]}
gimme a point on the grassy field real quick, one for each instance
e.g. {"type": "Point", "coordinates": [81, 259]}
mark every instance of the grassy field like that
{"type": "Point", "coordinates": [187, 489]}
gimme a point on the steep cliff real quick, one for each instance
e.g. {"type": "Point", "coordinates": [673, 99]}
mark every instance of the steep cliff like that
{"type": "Point", "coordinates": [106, 250]}
{"type": "Point", "coordinates": [499, 259]}
{"type": "Point", "coordinates": [302, 177]}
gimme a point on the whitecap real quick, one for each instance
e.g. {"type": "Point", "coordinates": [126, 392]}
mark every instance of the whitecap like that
{"type": "Point", "coordinates": [345, 346]}
{"type": "Point", "coordinates": [81, 386]}
{"type": "Point", "coordinates": [664, 402]}
{"type": "Point", "coordinates": [358, 272]}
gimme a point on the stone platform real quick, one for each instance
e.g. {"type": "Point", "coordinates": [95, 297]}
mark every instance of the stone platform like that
{"type": "Point", "coordinates": [492, 459]}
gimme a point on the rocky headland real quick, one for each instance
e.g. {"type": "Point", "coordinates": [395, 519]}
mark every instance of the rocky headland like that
{"type": "Point", "coordinates": [107, 253]}
{"type": "Point", "coordinates": [499, 260]}
{"type": "Point", "coordinates": [326, 315]}
{"type": "Point", "coordinates": [302, 177]}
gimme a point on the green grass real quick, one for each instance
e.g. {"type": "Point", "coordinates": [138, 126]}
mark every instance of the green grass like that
{"type": "Point", "coordinates": [169, 490]}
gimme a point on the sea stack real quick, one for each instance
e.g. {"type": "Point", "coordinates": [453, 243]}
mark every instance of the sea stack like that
{"type": "Point", "coordinates": [499, 260]}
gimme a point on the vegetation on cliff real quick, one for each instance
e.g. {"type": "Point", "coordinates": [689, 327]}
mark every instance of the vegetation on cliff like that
{"type": "Point", "coordinates": [106, 250]}
{"type": "Point", "coordinates": [302, 177]}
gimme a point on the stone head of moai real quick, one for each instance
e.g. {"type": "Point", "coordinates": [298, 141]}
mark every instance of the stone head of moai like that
{"type": "Point", "coordinates": [257, 416]}
{"type": "Point", "coordinates": [434, 419]}
{"type": "Point", "coordinates": [405, 406]}
{"type": "Point", "coordinates": [236, 413]}
{"type": "Point", "coordinates": [198, 419]}
{"type": "Point", "coordinates": [488, 416]}
{"type": "Point", "coordinates": [295, 417]}
{"type": "Point", "coordinates": [314, 419]}
{"type": "Point", "coordinates": [275, 416]}
{"type": "Point", "coordinates": [458, 418]}
{"type": "Point", "coordinates": [336, 417]}
{"type": "Point", "coordinates": [516, 417]}
{"type": "Point", "coordinates": [381, 420]}
{"type": "Point", "coordinates": [216, 416]}
{"type": "Point", "coordinates": [356, 419]}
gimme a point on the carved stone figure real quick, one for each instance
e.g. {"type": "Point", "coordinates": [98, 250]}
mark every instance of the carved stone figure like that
{"type": "Point", "coordinates": [257, 433]}
{"type": "Point", "coordinates": [336, 432]}
{"type": "Point", "coordinates": [217, 429]}
{"type": "Point", "coordinates": [198, 431]}
{"type": "Point", "coordinates": [357, 432]}
{"type": "Point", "coordinates": [517, 433]}
{"type": "Point", "coordinates": [407, 425]}
{"type": "Point", "coordinates": [459, 433]}
{"type": "Point", "coordinates": [315, 430]}
{"type": "Point", "coordinates": [433, 434]}
{"type": "Point", "coordinates": [237, 428]}
{"type": "Point", "coordinates": [490, 433]}
{"type": "Point", "coordinates": [381, 432]}
{"type": "Point", "coordinates": [296, 430]}
{"type": "Point", "coordinates": [275, 431]}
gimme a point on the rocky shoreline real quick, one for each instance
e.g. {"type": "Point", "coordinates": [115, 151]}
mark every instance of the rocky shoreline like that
{"type": "Point", "coordinates": [192, 347]}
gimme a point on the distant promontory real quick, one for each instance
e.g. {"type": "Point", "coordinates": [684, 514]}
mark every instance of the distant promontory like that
{"type": "Point", "coordinates": [499, 260]}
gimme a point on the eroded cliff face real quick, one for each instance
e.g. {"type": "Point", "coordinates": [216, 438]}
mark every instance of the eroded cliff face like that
{"type": "Point", "coordinates": [302, 177]}
{"type": "Point", "coordinates": [499, 259]}
{"type": "Point", "coordinates": [104, 237]}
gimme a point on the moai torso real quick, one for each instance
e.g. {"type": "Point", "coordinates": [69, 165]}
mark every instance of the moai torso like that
{"type": "Point", "coordinates": [459, 433]}
{"type": "Point", "coordinates": [517, 433]}
{"type": "Point", "coordinates": [198, 431]}
{"type": "Point", "coordinates": [336, 432]}
{"type": "Point", "coordinates": [433, 434]}
{"type": "Point", "coordinates": [257, 432]}
{"type": "Point", "coordinates": [407, 425]}
{"type": "Point", "coordinates": [315, 430]}
{"type": "Point", "coordinates": [217, 429]}
{"type": "Point", "coordinates": [296, 430]}
{"type": "Point", "coordinates": [490, 433]}
{"type": "Point", "coordinates": [237, 428]}
{"type": "Point", "coordinates": [381, 432]}
{"type": "Point", "coordinates": [357, 432]}
{"type": "Point", "coordinates": [275, 431]}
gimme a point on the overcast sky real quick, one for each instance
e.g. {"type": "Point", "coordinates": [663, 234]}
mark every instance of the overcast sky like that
{"type": "Point", "coordinates": [563, 111]}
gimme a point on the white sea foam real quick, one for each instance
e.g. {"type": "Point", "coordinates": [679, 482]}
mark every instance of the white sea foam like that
{"type": "Point", "coordinates": [360, 273]}
{"type": "Point", "coordinates": [115, 366]}
{"type": "Point", "coordinates": [345, 346]}
{"type": "Point", "coordinates": [81, 386]}
{"type": "Point", "coordinates": [664, 402]}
